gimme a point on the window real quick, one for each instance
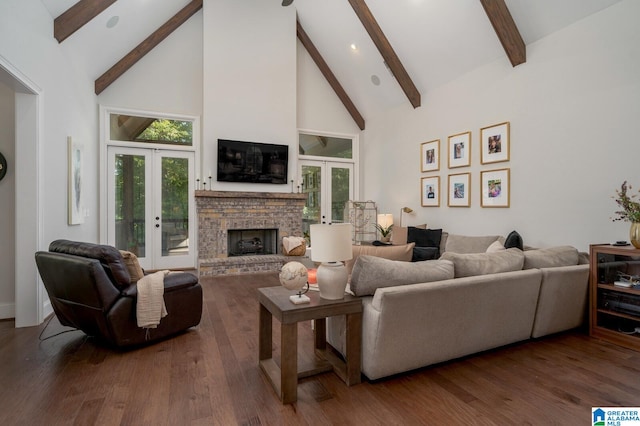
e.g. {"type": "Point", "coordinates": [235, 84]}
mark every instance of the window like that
{"type": "Point", "coordinates": [132, 128]}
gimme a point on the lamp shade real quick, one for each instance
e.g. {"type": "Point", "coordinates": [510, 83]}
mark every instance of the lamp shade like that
{"type": "Point", "coordinates": [331, 243]}
{"type": "Point", "coordinates": [385, 220]}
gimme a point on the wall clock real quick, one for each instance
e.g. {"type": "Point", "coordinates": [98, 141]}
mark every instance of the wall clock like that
{"type": "Point", "coordinates": [3, 166]}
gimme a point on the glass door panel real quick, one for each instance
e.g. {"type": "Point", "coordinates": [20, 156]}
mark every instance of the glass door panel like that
{"type": "Point", "coordinates": [328, 185]}
{"type": "Point", "coordinates": [129, 202]}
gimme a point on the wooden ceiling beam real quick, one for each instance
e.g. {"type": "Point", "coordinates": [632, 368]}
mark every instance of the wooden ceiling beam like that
{"type": "Point", "coordinates": [77, 16]}
{"type": "Point", "coordinates": [506, 29]}
{"type": "Point", "coordinates": [380, 40]}
{"type": "Point", "coordinates": [130, 59]}
{"type": "Point", "coordinates": [329, 76]}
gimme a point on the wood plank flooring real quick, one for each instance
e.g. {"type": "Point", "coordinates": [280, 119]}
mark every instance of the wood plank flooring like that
{"type": "Point", "coordinates": [209, 375]}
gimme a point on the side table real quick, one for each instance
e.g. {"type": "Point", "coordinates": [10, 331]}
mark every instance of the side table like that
{"type": "Point", "coordinates": [274, 302]}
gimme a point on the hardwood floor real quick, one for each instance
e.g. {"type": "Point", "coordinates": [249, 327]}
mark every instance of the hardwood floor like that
{"type": "Point", "coordinates": [210, 375]}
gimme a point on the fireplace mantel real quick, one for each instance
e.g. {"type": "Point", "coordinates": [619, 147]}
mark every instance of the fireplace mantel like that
{"type": "Point", "coordinates": [220, 211]}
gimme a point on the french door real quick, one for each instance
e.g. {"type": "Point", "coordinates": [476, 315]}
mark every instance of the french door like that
{"type": "Point", "coordinates": [150, 205]}
{"type": "Point", "coordinates": [328, 185]}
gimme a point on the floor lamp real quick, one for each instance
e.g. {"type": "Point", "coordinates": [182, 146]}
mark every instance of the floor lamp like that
{"type": "Point", "coordinates": [404, 210]}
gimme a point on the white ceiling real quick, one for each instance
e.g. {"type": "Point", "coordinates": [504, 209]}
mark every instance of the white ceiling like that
{"type": "Point", "coordinates": [436, 40]}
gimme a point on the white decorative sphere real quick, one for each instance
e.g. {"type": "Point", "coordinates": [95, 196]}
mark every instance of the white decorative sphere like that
{"type": "Point", "coordinates": [293, 275]}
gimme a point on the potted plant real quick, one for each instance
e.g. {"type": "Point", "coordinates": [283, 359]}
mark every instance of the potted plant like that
{"type": "Point", "coordinates": [629, 212]}
{"type": "Point", "coordinates": [385, 232]}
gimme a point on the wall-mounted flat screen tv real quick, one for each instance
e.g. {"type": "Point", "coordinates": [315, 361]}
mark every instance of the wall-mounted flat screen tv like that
{"type": "Point", "coordinates": [252, 162]}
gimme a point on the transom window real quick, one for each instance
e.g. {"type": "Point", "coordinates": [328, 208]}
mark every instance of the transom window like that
{"type": "Point", "coordinates": [130, 128]}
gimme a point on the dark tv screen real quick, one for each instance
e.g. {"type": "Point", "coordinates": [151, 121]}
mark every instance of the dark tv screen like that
{"type": "Point", "coordinates": [252, 162]}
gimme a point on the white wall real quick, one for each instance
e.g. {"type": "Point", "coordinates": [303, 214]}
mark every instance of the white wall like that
{"type": "Point", "coordinates": [7, 205]}
{"type": "Point", "coordinates": [168, 79]}
{"type": "Point", "coordinates": [67, 107]}
{"type": "Point", "coordinates": [249, 80]}
{"type": "Point", "coordinates": [573, 108]}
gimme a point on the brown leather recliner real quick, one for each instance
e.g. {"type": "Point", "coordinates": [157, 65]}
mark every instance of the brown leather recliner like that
{"type": "Point", "coordinates": [89, 288]}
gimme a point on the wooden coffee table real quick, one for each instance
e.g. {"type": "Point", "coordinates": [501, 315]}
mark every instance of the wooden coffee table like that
{"type": "Point", "coordinates": [274, 302]}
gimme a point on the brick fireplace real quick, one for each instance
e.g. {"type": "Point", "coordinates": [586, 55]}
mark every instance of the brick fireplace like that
{"type": "Point", "coordinates": [222, 211]}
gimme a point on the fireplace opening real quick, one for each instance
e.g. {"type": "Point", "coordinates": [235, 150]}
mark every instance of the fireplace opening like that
{"type": "Point", "coordinates": [252, 242]}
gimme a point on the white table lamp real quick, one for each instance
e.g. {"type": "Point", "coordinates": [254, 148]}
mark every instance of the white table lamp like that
{"type": "Point", "coordinates": [331, 244]}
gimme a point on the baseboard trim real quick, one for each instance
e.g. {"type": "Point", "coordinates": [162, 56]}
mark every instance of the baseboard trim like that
{"type": "Point", "coordinates": [7, 310]}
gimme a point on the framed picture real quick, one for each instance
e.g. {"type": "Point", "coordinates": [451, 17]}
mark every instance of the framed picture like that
{"type": "Point", "coordinates": [460, 150]}
{"type": "Point", "coordinates": [495, 187]}
{"type": "Point", "coordinates": [75, 160]}
{"type": "Point", "coordinates": [494, 143]}
{"type": "Point", "coordinates": [430, 191]}
{"type": "Point", "coordinates": [459, 190]}
{"type": "Point", "coordinates": [430, 156]}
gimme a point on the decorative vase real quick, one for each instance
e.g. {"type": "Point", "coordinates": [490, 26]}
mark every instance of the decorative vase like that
{"type": "Point", "coordinates": [386, 239]}
{"type": "Point", "coordinates": [634, 234]}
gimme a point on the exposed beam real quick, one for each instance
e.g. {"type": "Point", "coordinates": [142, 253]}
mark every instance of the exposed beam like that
{"type": "Point", "coordinates": [380, 40]}
{"type": "Point", "coordinates": [76, 16]}
{"type": "Point", "coordinates": [328, 74]}
{"type": "Point", "coordinates": [506, 29]}
{"type": "Point", "coordinates": [146, 46]}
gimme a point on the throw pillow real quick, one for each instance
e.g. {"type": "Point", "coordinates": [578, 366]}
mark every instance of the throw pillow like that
{"type": "Point", "coordinates": [496, 246]}
{"type": "Point", "coordinates": [403, 252]}
{"type": "Point", "coordinates": [470, 244]}
{"type": "Point", "coordinates": [473, 264]}
{"type": "Point", "coordinates": [551, 257]}
{"type": "Point", "coordinates": [424, 237]}
{"type": "Point", "coordinates": [133, 266]}
{"type": "Point", "coordinates": [371, 273]}
{"type": "Point", "coordinates": [425, 253]}
{"type": "Point", "coordinates": [514, 240]}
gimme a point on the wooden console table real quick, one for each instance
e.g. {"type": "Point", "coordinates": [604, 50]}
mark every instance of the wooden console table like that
{"type": "Point", "coordinates": [274, 302]}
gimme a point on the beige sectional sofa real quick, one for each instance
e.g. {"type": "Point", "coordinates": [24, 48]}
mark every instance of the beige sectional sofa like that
{"type": "Point", "coordinates": [421, 313]}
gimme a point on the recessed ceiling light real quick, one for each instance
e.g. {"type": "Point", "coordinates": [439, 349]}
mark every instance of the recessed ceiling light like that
{"type": "Point", "coordinates": [375, 80]}
{"type": "Point", "coordinates": [354, 47]}
{"type": "Point", "coordinates": [113, 21]}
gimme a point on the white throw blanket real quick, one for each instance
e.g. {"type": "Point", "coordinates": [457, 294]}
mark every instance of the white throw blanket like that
{"type": "Point", "coordinates": [290, 243]}
{"type": "Point", "coordinates": [150, 307]}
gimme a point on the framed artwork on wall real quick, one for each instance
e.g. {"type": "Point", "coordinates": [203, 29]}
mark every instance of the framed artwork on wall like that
{"type": "Point", "coordinates": [459, 190]}
{"type": "Point", "coordinates": [495, 188]}
{"type": "Point", "coordinates": [430, 191]}
{"type": "Point", "coordinates": [430, 156]}
{"type": "Point", "coordinates": [460, 150]}
{"type": "Point", "coordinates": [494, 143]}
{"type": "Point", "coordinates": [75, 160]}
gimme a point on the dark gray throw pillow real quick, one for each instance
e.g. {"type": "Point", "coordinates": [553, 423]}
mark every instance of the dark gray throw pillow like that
{"type": "Point", "coordinates": [514, 240]}
{"type": "Point", "coordinates": [424, 237]}
{"type": "Point", "coordinates": [425, 253]}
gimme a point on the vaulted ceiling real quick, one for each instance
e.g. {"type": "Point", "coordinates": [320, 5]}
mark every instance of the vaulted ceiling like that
{"type": "Point", "coordinates": [430, 42]}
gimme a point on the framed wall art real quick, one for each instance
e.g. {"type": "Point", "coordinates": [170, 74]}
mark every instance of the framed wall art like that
{"type": "Point", "coordinates": [76, 210]}
{"type": "Point", "coordinates": [430, 191]}
{"type": "Point", "coordinates": [459, 190]}
{"type": "Point", "coordinates": [495, 188]}
{"type": "Point", "coordinates": [494, 143]}
{"type": "Point", "coordinates": [460, 150]}
{"type": "Point", "coordinates": [430, 156]}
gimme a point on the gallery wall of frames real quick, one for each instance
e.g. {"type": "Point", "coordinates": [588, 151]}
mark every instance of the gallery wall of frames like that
{"type": "Point", "coordinates": [493, 182]}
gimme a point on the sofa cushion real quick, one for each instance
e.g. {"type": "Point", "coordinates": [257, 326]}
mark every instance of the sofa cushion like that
{"type": "Point", "coordinates": [495, 246]}
{"type": "Point", "coordinates": [470, 244]}
{"type": "Point", "coordinates": [133, 265]}
{"type": "Point", "coordinates": [370, 273]}
{"type": "Point", "coordinates": [402, 252]}
{"type": "Point", "coordinates": [551, 257]}
{"type": "Point", "coordinates": [472, 264]}
{"type": "Point", "coordinates": [514, 240]}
